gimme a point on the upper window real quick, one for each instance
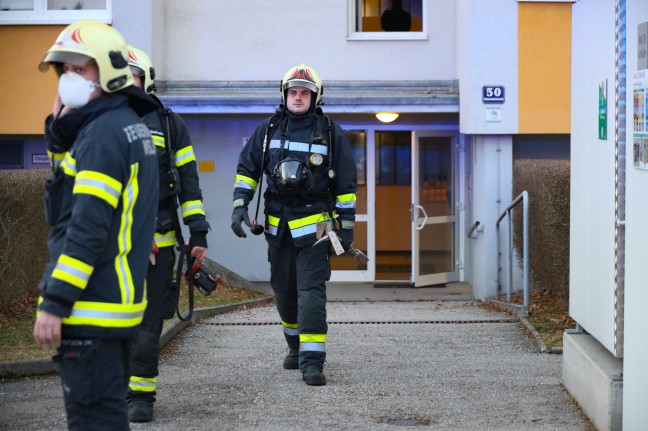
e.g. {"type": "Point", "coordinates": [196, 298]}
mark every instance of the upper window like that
{"type": "Point", "coordinates": [387, 19]}
{"type": "Point", "coordinates": [54, 11]}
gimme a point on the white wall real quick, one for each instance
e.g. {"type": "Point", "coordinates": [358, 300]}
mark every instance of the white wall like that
{"type": "Point", "coordinates": [134, 20]}
{"type": "Point", "coordinates": [492, 184]}
{"type": "Point", "coordinates": [220, 140]}
{"type": "Point", "coordinates": [591, 281]}
{"type": "Point", "coordinates": [635, 373]}
{"type": "Point", "coordinates": [487, 55]}
{"type": "Point", "coordinates": [260, 40]}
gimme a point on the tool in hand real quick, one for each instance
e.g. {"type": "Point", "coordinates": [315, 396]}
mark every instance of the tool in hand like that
{"type": "Point", "coordinates": [332, 236]}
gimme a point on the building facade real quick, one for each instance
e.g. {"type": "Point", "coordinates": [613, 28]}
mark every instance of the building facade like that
{"type": "Point", "coordinates": [467, 79]}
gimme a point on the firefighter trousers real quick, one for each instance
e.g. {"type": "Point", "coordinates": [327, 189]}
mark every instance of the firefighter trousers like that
{"type": "Point", "coordinates": [298, 277]}
{"type": "Point", "coordinates": [94, 376]}
{"type": "Point", "coordinates": [162, 296]}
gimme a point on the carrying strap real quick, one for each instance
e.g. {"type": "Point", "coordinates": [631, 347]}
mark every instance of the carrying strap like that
{"type": "Point", "coordinates": [272, 124]}
{"type": "Point", "coordinates": [170, 136]}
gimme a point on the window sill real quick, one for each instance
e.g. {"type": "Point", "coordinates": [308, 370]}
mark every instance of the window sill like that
{"type": "Point", "coordinates": [382, 36]}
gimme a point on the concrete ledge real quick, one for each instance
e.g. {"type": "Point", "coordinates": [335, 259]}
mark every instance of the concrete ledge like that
{"type": "Point", "coordinates": [518, 310]}
{"type": "Point", "coordinates": [594, 377]}
{"type": "Point", "coordinates": [47, 366]}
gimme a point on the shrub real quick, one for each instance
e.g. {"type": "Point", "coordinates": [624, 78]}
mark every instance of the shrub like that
{"type": "Point", "coordinates": [23, 237]}
{"type": "Point", "coordinates": [547, 183]}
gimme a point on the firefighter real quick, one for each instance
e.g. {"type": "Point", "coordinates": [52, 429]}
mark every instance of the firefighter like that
{"type": "Point", "coordinates": [311, 186]}
{"type": "Point", "coordinates": [178, 182]}
{"type": "Point", "coordinates": [101, 203]}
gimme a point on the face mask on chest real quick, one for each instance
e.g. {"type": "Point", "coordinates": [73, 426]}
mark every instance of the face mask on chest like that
{"type": "Point", "coordinates": [75, 90]}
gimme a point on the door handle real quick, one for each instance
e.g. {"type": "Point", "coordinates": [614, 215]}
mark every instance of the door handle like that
{"type": "Point", "coordinates": [425, 216]}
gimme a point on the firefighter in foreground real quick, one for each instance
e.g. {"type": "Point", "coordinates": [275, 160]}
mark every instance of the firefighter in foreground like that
{"type": "Point", "coordinates": [178, 182]}
{"type": "Point", "coordinates": [101, 202]}
{"type": "Point", "coordinates": [311, 186]}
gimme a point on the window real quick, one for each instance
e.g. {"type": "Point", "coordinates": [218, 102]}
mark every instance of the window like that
{"type": "Point", "coordinates": [387, 19]}
{"type": "Point", "coordinates": [54, 11]}
{"type": "Point", "coordinates": [11, 154]}
{"type": "Point", "coordinates": [393, 158]}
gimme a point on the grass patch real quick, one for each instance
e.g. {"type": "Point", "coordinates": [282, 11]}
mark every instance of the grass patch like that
{"type": "Point", "coordinates": [17, 342]}
{"type": "Point", "coordinates": [548, 313]}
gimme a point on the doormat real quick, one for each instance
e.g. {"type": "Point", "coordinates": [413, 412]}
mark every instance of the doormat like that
{"type": "Point", "coordinates": [404, 286]}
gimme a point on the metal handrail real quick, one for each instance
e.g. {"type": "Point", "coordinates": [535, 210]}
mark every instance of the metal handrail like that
{"type": "Point", "coordinates": [524, 198]}
{"type": "Point", "coordinates": [472, 229]}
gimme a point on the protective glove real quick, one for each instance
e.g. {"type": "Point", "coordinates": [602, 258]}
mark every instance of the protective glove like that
{"type": "Point", "coordinates": [239, 215]}
{"type": "Point", "coordinates": [346, 238]}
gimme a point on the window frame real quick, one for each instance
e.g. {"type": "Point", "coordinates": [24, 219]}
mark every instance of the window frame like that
{"type": "Point", "coordinates": [41, 15]}
{"type": "Point", "coordinates": [352, 34]}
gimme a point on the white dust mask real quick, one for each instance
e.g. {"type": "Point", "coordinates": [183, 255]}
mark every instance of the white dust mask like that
{"type": "Point", "coordinates": [75, 90]}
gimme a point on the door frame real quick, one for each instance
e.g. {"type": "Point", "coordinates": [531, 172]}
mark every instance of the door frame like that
{"type": "Point", "coordinates": [369, 275]}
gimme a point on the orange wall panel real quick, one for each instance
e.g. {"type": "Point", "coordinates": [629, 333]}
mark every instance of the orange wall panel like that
{"type": "Point", "coordinates": [544, 67]}
{"type": "Point", "coordinates": [27, 94]}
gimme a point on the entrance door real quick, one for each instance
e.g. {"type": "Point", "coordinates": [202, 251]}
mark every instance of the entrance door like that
{"type": "Point", "coordinates": [433, 212]}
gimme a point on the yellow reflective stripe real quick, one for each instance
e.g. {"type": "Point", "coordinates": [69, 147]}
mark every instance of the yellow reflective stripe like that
{"type": "Point", "coordinates": [312, 338]}
{"type": "Point", "coordinates": [190, 208]}
{"type": "Point", "coordinates": [166, 239]}
{"type": "Point", "coordinates": [306, 225]}
{"type": "Point", "coordinates": [245, 182]}
{"type": "Point", "coordinates": [105, 314]}
{"type": "Point", "coordinates": [99, 185]}
{"type": "Point", "coordinates": [158, 141]}
{"type": "Point", "coordinates": [273, 221]}
{"type": "Point", "coordinates": [72, 271]}
{"type": "Point", "coordinates": [290, 328]}
{"type": "Point", "coordinates": [185, 156]}
{"type": "Point", "coordinates": [346, 198]}
{"type": "Point", "coordinates": [68, 164]}
{"type": "Point", "coordinates": [142, 384]}
{"type": "Point", "coordinates": [304, 221]}
{"type": "Point", "coordinates": [122, 268]}
{"type": "Point", "coordinates": [55, 159]}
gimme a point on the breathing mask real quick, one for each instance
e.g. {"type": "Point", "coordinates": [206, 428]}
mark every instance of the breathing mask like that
{"type": "Point", "coordinates": [290, 176]}
{"type": "Point", "coordinates": [75, 90]}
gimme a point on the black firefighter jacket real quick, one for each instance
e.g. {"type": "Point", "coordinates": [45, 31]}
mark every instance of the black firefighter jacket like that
{"type": "Point", "coordinates": [319, 198]}
{"type": "Point", "coordinates": [101, 202]}
{"type": "Point", "coordinates": [189, 195]}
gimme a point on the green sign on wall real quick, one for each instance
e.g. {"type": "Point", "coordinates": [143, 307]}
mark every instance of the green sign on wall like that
{"type": "Point", "coordinates": [602, 111]}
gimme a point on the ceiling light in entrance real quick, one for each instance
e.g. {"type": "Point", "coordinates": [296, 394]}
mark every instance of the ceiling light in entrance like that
{"type": "Point", "coordinates": [386, 117]}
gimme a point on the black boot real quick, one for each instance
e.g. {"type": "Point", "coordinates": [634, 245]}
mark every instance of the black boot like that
{"type": "Point", "coordinates": [140, 411]}
{"type": "Point", "coordinates": [291, 362]}
{"type": "Point", "coordinates": [314, 377]}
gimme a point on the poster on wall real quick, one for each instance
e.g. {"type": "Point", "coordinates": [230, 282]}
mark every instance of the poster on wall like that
{"type": "Point", "coordinates": [640, 119]}
{"type": "Point", "coordinates": [640, 97]}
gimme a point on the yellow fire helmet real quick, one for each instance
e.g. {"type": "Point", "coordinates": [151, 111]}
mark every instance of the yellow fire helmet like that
{"type": "Point", "coordinates": [140, 64]}
{"type": "Point", "coordinates": [89, 39]}
{"type": "Point", "coordinates": [302, 76]}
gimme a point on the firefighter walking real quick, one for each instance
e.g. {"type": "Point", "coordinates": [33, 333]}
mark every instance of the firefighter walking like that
{"type": "Point", "coordinates": [311, 186]}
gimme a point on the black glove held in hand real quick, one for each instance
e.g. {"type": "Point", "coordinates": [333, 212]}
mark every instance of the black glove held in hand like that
{"type": "Point", "coordinates": [240, 215]}
{"type": "Point", "coordinates": [346, 238]}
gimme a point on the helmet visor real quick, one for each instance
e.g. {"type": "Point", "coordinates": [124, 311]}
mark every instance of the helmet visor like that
{"type": "Point", "coordinates": [136, 70]}
{"type": "Point", "coordinates": [63, 57]}
{"type": "Point", "coordinates": [298, 83]}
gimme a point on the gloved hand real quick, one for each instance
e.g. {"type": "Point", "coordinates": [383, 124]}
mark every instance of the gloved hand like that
{"type": "Point", "coordinates": [346, 238]}
{"type": "Point", "coordinates": [198, 245]}
{"type": "Point", "coordinates": [240, 215]}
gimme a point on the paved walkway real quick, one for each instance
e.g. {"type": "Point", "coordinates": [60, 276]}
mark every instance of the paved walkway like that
{"type": "Point", "coordinates": [397, 358]}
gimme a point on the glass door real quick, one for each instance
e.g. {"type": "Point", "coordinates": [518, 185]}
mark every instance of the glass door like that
{"type": "Point", "coordinates": [433, 211]}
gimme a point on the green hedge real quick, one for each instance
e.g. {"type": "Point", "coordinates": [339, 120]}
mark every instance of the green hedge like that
{"type": "Point", "coordinates": [23, 236]}
{"type": "Point", "coordinates": [547, 183]}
